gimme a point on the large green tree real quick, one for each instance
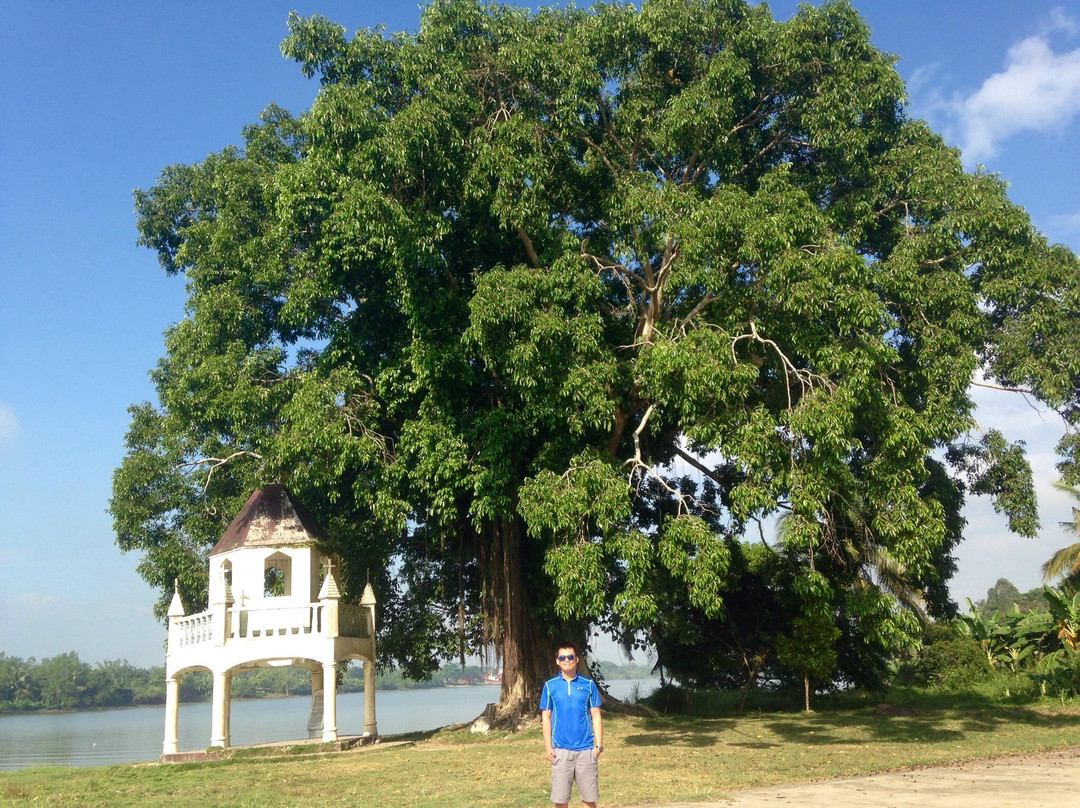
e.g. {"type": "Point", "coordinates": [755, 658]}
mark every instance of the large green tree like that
{"type": "Point", "coordinates": [509, 271]}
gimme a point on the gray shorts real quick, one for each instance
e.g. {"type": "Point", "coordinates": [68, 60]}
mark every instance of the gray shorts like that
{"type": "Point", "coordinates": [570, 765]}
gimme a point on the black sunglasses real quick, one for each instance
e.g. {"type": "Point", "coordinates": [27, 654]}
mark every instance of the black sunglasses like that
{"type": "Point", "coordinates": [566, 657]}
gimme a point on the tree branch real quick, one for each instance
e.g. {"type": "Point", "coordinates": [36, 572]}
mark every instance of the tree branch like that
{"type": "Point", "coordinates": [705, 301]}
{"type": "Point", "coordinates": [806, 378]}
{"type": "Point", "coordinates": [990, 386]}
{"type": "Point", "coordinates": [693, 461]}
{"type": "Point", "coordinates": [217, 462]}
{"type": "Point", "coordinates": [602, 154]}
{"type": "Point", "coordinates": [533, 257]}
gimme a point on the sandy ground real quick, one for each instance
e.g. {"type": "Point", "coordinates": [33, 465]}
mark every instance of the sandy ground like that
{"type": "Point", "coordinates": [1032, 781]}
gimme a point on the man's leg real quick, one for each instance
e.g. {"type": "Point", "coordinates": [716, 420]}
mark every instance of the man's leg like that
{"type": "Point", "coordinates": [562, 775]}
{"type": "Point", "coordinates": [586, 772]}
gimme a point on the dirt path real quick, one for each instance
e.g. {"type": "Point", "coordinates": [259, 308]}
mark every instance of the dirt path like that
{"type": "Point", "coordinates": [1045, 780]}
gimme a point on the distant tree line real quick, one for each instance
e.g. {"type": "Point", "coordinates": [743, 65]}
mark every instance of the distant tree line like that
{"type": "Point", "coordinates": [65, 682]}
{"type": "Point", "coordinates": [1004, 596]}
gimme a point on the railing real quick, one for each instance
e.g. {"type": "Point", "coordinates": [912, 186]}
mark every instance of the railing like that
{"type": "Point", "coordinates": [192, 630]}
{"type": "Point", "coordinates": [255, 624]}
{"type": "Point", "coordinates": [274, 621]}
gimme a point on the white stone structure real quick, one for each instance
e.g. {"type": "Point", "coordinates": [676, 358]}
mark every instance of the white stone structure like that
{"type": "Point", "coordinates": [274, 600]}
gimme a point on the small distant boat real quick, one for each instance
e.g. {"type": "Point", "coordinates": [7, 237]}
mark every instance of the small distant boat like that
{"type": "Point", "coordinates": [492, 678]}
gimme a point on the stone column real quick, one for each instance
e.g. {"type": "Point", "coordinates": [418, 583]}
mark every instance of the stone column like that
{"type": "Point", "coordinates": [329, 715]}
{"type": "Point", "coordinates": [315, 717]}
{"type": "Point", "coordinates": [172, 703]}
{"type": "Point", "coordinates": [371, 729]}
{"type": "Point", "coordinates": [219, 734]}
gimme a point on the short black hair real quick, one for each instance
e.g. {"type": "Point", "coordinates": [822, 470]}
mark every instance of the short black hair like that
{"type": "Point", "coordinates": [565, 644]}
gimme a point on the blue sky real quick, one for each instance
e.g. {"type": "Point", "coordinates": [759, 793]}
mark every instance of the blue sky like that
{"type": "Point", "coordinates": [98, 97]}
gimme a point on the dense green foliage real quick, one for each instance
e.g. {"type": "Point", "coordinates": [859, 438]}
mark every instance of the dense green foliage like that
{"type": "Point", "coordinates": [1020, 651]}
{"type": "Point", "coordinates": [948, 660]}
{"type": "Point", "coordinates": [541, 312]}
{"type": "Point", "coordinates": [66, 682]}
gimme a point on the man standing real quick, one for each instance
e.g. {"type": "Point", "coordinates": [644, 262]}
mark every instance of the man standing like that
{"type": "Point", "coordinates": [573, 729]}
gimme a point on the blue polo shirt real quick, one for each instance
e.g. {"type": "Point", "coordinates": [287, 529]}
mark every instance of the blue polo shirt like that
{"type": "Point", "coordinates": [569, 701]}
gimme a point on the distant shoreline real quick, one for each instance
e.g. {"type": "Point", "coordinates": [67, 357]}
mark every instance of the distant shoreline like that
{"type": "Point", "coordinates": [64, 683]}
{"type": "Point", "coordinates": [6, 710]}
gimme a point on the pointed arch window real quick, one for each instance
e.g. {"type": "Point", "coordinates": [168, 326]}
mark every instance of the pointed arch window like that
{"type": "Point", "coordinates": [277, 576]}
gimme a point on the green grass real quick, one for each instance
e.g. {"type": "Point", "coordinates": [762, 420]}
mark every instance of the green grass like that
{"type": "Point", "coordinates": [648, 760]}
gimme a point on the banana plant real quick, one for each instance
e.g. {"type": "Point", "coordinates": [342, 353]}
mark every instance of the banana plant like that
{"type": "Point", "coordinates": [1066, 614]}
{"type": "Point", "coordinates": [991, 633]}
{"type": "Point", "coordinates": [1060, 669]}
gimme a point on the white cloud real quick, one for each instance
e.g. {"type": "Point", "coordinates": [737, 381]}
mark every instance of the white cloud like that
{"type": "Point", "coordinates": [989, 551]}
{"type": "Point", "coordinates": [34, 600]}
{"type": "Point", "coordinates": [1066, 221]}
{"type": "Point", "coordinates": [1058, 20]}
{"type": "Point", "coordinates": [1039, 90]}
{"type": "Point", "coordinates": [9, 424]}
{"type": "Point", "coordinates": [922, 85]}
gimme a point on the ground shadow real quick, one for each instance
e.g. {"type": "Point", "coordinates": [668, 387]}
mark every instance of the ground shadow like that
{"type": "Point", "coordinates": [915, 721]}
{"type": "Point", "coordinates": [680, 731]}
{"type": "Point", "coordinates": [894, 718]}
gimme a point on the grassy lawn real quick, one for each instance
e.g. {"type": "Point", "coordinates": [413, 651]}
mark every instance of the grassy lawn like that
{"type": "Point", "coordinates": [647, 760]}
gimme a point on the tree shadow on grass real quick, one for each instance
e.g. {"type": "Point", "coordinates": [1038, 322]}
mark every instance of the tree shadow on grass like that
{"type": "Point", "coordinates": [915, 722]}
{"type": "Point", "coordinates": [895, 718]}
{"type": "Point", "coordinates": [822, 729]}
{"type": "Point", "coordinates": [697, 732]}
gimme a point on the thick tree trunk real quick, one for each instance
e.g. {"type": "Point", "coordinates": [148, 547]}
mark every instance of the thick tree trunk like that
{"type": "Point", "coordinates": [516, 633]}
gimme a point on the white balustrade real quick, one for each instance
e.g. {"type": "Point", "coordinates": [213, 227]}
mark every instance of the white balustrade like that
{"type": "Point", "coordinates": [273, 621]}
{"type": "Point", "coordinates": [354, 620]}
{"type": "Point", "coordinates": [194, 629]}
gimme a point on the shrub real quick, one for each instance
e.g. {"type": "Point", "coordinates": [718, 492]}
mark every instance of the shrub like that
{"type": "Point", "coordinates": [947, 661]}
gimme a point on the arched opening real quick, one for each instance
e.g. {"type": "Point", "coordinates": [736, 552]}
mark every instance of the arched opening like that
{"type": "Point", "coordinates": [277, 576]}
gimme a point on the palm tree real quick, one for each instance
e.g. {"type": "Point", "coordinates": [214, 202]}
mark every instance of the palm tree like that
{"type": "Point", "coordinates": [1066, 561]}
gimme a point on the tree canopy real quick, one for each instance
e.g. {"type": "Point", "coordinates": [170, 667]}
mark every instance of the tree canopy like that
{"type": "Point", "coordinates": [542, 311]}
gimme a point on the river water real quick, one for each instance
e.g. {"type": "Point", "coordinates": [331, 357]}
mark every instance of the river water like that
{"type": "Point", "coordinates": [135, 734]}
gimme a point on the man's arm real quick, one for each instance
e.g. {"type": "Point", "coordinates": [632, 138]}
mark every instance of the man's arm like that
{"type": "Point", "coordinates": [545, 720]}
{"type": "Point", "coordinates": [597, 730]}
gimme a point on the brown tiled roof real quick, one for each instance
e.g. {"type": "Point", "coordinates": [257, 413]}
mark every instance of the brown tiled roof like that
{"type": "Point", "coordinates": [270, 518]}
